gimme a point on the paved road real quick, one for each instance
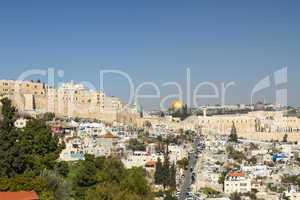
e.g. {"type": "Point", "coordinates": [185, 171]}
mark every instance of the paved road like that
{"type": "Point", "coordinates": [188, 178]}
{"type": "Point", "coordinates": [186, 185]}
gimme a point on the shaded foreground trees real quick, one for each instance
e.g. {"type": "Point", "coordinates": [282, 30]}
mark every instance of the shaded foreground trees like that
{"type": "Point", "coordinates": [110, 180]}
{"type": "Point", "coordinates": [29, 150]}
{"type": "Point", "coordinates": [28, 161]}
{"type": "Point", "coordinates": [26, 153]}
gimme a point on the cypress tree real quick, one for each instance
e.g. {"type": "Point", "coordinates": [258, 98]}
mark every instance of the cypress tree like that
{"type": "Point", "coordinates": [158, 175]}
{"type": "Point", "coordinates": [172, 183]}
{"type": "Point", "coordinates": [166, 169]}
{"type": "Point", "coordinates": [233, 134]}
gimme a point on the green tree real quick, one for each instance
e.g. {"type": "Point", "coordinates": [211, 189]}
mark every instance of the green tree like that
{"type": "Point", "coordinates": [222, 177]}
{"type": "Point", "coordinates": [229, 149]}
{"type": "Point", "coordinates": [183, 163]}
{"type": "Point", "coordinates": [100, 162]}
{"type": "Point", "coordinates": [113, 171]}
{"type": "Point", "coordinates": [114, 182]}
{"type": "Point", "coordinates": [62, 168]}
{"type": "Point", "coordinates": [253, 160]}
{"type": "Point", "coordinates": [136, 145]}
{"type": "Point", "coordinates": [86, 175]}
{"type": "Point", "coordinates": [8, 112]}
{"type": "Point", "coordinates": [182, 113]}
{"type": "Point", "coordinates": [60, 188]}
{"type": "Point", "coordinates": [8, 138]}
{"type": "Point", "coordinates": [147, 124]}
{"type": "Point", "coordinates": [158, 175]}
{"type": "Point", "coordinates": [28, 161]}
{"type": "Point", "coordinates": [210, 192]}
{"type": "Point", "coordinates": [251, 195]}
{"type": "Point", "coordinates": [31, 149]}
{"type": "Point", "coordinates": [253, 146]}
{"type": "Point", "coordinates": [235, 196]}
{"type": "Point", "coordinates": [169, 196]}
{"type": "Point", "coordinates": [40, 148]}
{"type": "Point", "coordinates": [234, 154]}
{"type": "Point", "coordinates": [166, 169]}
{"type": "Point", "coordinates": [285, 138]}
{"type": "Point", "coordinates": [135, 182]}
{"type": "Point", "coordinates": [173, 177]}
{"type": "Point", "coordinates": [47, 116]}
{"type": "Point", "coordinates": [233, 134]}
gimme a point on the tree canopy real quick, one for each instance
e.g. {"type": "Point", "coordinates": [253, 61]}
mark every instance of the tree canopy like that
{"type": "Point", "coordinates": [101, 178]}
{"type": "Point", "coordinates": [136, 145]}
{"type": "Point", "coordinates": [31, 149]}
{"type": "Point", "coordinates": [29, 161]}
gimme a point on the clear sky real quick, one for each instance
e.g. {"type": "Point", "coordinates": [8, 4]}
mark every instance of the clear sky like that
{"type": "Point", "coordinates": [220, 41]}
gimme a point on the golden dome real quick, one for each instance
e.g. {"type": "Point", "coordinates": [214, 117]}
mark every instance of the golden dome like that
{"type": "Point", "coordinates": [176, 105]}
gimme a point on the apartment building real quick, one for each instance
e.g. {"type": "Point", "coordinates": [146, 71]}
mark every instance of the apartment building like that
{"type": "Point", "coordinates": [24, 87]}
{"type": "Point", "coordinates": [237, 182]}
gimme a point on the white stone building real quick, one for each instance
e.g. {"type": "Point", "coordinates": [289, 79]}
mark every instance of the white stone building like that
{"type": "Point", "coordinates": [237, 182]}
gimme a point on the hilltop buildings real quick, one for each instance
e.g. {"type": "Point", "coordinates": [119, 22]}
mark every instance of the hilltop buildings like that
{"type": "Point", "coordinates": [74, 100]}
{"type": "Point", "coordinates": [67, 100]}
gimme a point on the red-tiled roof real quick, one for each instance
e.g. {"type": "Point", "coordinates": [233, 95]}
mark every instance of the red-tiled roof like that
{"type": "Point", "coordinates": [150, 163]}
{"type": "Point", "coordinates": [236, 174]}
{"type": "Point", "coordinates": [108, 135]}
{"type": "Point", "coordinates": [18, 196]}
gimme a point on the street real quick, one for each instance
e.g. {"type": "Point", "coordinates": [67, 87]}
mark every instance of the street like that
{"type": "Point", "coordinates": [185, 192]}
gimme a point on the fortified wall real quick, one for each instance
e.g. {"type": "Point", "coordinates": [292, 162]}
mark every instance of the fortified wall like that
{"type": "Point", "coordinates": [68, 100]}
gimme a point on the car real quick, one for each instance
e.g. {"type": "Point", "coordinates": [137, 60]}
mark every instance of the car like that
{"type": "Point", "coordinates": [189, 194]}
{"type": "Point", "coordinates": [189, 198]}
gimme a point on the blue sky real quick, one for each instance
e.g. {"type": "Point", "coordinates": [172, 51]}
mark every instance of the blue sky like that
{"type": "Point", "coordinates": [220, 41]}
